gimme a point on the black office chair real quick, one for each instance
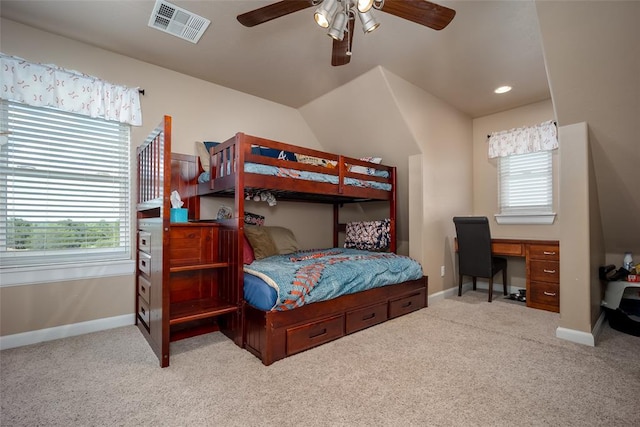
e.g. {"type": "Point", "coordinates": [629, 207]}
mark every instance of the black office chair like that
{"type": "Point", "coordinates": [474, 252]}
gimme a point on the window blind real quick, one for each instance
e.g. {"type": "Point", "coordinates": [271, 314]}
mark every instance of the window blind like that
{"type": "Point", "coordinates": [525, 183]}
{"type": "Point", "coordinates": [64, 188]}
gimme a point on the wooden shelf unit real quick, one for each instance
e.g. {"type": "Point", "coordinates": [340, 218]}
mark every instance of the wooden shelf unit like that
{"type": "Point", "coordinates": [194, 296]}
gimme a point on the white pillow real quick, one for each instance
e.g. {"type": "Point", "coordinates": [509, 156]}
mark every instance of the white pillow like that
{"type": "Point", "coordinates": [365, 170]}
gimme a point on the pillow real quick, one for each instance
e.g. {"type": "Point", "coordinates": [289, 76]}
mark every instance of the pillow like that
{"type": "Point", "coordinates": [368, 235]}
{"type": "Point", "coordinates": [365, 170]}
{"type": "Point", "coordinates": [253, 219]}
{"type": "Point", "coordinates": [277, 154]}
{"type": "Point", "coordinates": [310, 160]}
{"type": "Point", "coordinates": [247, 252]}
{"type": "Point", "coordinates": [284, 239]}
{"type": "Point", "coordinates": [261, 241]}
{"type": "Point", "coordinates": [202, 148]}
{"type": "Point", "coordinates": [316, 161]}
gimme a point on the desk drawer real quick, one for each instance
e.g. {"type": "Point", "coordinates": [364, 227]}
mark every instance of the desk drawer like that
{"type": "Point", "coordinates": [545, 296]}
{"type": "Point", "coordinates": [365, 317]}
{"type": "Point", "coordinates": [544, 252]}
{"type": "Point", "coordinates": [545, 271]}
{"type": "Point", "coordinates": [507, 248]}
{"type": "Point", "coordinates": [407, 304]}
{"type": "Point", "coordinates": [313, 334]}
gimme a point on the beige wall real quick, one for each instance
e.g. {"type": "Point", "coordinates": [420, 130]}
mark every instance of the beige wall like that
{"type": "Point", "coordinates": [485, 180]}
{"type": "Point", "coordinates": [443, 189]}
{"type": "Point", "coordinates": [200, 110]}
{"type": "Point", "coordinates": [380, 114]}
{"type": "Point", "coordinates": [581, 242]}
{"type": "Point", "coordinates": [594, 72]}
{"type": "Point", "coordinates": [362, 118]}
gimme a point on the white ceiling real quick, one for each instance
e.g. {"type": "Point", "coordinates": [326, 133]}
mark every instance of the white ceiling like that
{"type": "Point", "coordinates": [287, 60]}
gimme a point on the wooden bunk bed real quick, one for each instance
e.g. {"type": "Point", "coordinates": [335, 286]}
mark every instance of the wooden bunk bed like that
{"type": "Point", "coordinates": [212, 299]}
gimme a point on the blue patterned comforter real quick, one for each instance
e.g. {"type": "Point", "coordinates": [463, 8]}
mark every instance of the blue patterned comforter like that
{"type": "Point", "coordinates": [316, 275]}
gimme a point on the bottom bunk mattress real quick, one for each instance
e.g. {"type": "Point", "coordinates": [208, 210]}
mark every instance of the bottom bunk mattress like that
{"type": "Point", "coordinates": [285, 282]}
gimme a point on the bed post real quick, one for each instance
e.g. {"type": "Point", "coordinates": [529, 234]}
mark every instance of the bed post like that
{"type": "Point", "coordinates": [336, 223]}
{"type": "Point", "coordinates": [392, 213]}
{"type": "Point", "coordinates": [237, 160]}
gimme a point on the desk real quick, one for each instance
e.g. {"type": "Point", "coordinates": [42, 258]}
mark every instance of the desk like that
{"type": "Point", "coordinates": [542, 258]}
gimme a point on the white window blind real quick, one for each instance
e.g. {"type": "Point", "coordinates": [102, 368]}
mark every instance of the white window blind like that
{"type": "Point", "coordinates": [526, 183]}
{"type": "Point", "coordinates": [64, 189]}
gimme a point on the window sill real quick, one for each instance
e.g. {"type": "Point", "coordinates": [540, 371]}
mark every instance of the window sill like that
{"type": "Point", "coordinates": [65, 272]}
{"type": "Point", "coordinates": [536, 219]}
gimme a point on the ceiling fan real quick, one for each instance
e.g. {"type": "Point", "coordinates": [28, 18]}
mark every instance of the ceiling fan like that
{"type": "Point", "coordinates": [339, 17]}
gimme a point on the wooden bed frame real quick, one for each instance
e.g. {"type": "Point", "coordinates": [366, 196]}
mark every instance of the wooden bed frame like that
{"type": "Point", "coordinates": [269, 335]}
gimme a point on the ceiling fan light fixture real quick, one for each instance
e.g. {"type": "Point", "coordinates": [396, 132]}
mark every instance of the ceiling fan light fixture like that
{"type": "Point", "coordinates": [338, 26]}
{"type": "Point", "coordinates": [325, 12]}
{"type": "Point", "coordinates": [364, 5]}
{"type": "Point", "coordinates": [368, 21]}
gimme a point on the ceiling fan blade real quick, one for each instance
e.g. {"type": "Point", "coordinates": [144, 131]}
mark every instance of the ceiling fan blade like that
{"type": "Point", "coordinates": [421, 12]}
{"type": "Point", "coordinates": [273, 11]}
{"type": "Point", "coordinates": [341, 52]}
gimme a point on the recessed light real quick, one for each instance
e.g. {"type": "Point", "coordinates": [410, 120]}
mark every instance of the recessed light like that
{"type": "Point", "coordinates": [503, 89]}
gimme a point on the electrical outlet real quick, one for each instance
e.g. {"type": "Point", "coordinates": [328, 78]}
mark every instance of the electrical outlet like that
{"type": "Point", "coordinates": [442, 271]}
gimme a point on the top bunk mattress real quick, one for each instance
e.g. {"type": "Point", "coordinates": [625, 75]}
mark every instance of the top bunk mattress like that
{"type": "Point", "coordinates": [281, 172]}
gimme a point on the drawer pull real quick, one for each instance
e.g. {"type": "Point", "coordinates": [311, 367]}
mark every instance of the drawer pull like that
{"type": "Point", "coordinates": [144, 313]}
{"type": "Point", "coordinates": [549, 252]}
{"type": "Point", "coordinates": [550, 294]}
{"type": "Point", "coordinates": [322, 332]}
{"type": "Point", "coordinates": [143, 241]}
{"type": "Point", "coordinates": [549, 271]}
{"type": "Point", "coordinates": [370, 316]}
{"type": "Point", "coordinates": [406, 304]}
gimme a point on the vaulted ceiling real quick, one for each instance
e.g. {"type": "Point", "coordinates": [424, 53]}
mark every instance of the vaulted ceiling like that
{"type": "Point", "coordinates": [585, 55]}
{"type": "Point", "coordinates": [288, 60]}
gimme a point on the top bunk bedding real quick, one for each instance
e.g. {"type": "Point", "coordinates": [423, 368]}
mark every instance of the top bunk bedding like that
{"type": "Point", "coordinates": [291, 172]}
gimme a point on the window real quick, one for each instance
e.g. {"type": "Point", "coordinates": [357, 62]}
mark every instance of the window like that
{"type": "Point", "coordinates": [64, 188]}
{"type": "Point", "coordinates": [526, 188]}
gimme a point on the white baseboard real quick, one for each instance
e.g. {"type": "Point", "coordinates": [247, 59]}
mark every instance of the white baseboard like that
{"type": "Point", "coordinates": [578, 337]}
{"type": "Point", "coordinates": [581, 337]}
{"type": "Point", "coordinates": [49, 334]}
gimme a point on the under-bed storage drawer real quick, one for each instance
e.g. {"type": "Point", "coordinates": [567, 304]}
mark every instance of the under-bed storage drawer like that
{"type": "Point", "coordinates": [312, 334]}
{"type": "Point", "coordinates": [365, 317]}
{"type": "Point", "coordinates": [407, 303]}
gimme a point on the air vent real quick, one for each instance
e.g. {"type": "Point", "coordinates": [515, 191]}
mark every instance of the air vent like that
{"type": "Point", "coordinates": [177, 21]}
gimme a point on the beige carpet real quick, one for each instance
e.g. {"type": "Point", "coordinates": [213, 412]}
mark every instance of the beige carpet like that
{"type": "Point", "coordinates": [460, 362]}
